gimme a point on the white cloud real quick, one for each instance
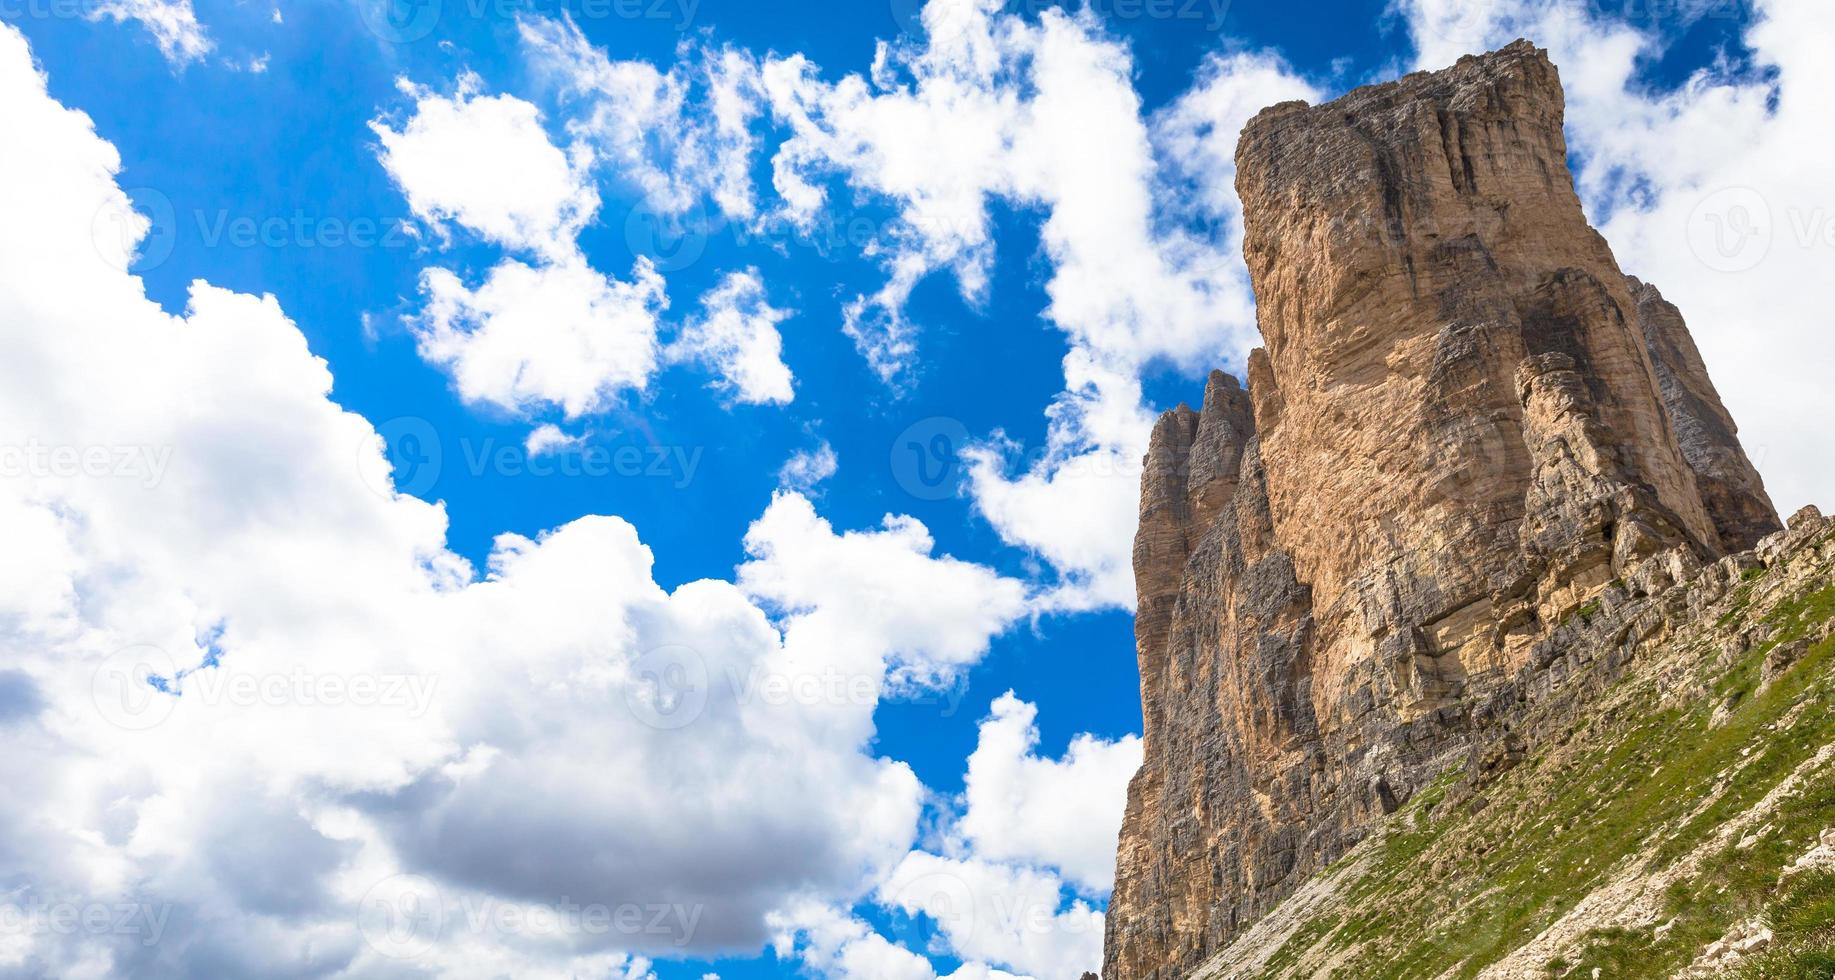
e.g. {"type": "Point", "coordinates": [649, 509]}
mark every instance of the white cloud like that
{"type": "Point", "coordinates": [173, 24]}
{"type": "Point", "coordinates": [529, 336]}
{"type": "Point", "coordinates": [1000, 914]}
{"type": "Point", "coordinates": [549, 438]}
{"type": "Point", "coordinates": [840, 947]}
{"type": "Point", "coordinates": [736, 338]}
{"type": "Point", "coordinates": [557, 332]}
{"type": "Point", "coordinates": [486, 163]}
{"type": "Point", "coordinates": [1068, 503]}
{"type": "Point", "coordinates": [935, 148]}
{"type": "Point", "coordinates": [872, 603]}
{"type": "Point", "coordinates": [1130, 287]}
{"type": "Point", "coordinates": [1060, 813]}
{"type": "Point", "coordinates": [993, 898]}
{"type": "Point", "coordinates": [1139, 218]}
{"type": "Point", "coordinates": [563, 729]}
{"type": "Point", "coordinates": [649, 126]}
{"type": "Point", "coordinates": [807, 468]}
{"type": "Point", "coordinates": [1658, 169]}
{"type": "Point", "coordinates": [1045, 115]}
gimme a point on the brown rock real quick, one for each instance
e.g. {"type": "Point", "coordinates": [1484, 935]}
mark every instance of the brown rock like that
{"type": "Point", "coordinates": [1467, 428]}
{"type": "Point", "coordinates": [1729, 484]}
{"type": "Point", "coordinates": [1781, 659]}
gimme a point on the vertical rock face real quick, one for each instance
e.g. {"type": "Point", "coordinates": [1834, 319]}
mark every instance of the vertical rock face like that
{"type": "Point", "coordinates": [1730, 487]}
{"type": "Point", "coordinates": [1465, 423]}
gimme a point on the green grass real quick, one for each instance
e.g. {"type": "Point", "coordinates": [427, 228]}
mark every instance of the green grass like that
{"type": "Point", "coordinates": [1742, 599]}
{"type": "Point", "coordinates": [1804, 914]}
{"type": "Point", "coordinates": [1449, 892]}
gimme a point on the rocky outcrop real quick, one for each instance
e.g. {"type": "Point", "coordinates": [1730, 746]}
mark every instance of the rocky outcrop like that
{"type": "Point", "coordinates": [1651, 796]}
{"type": "Point", "coordinates": [1729, 485]}
{"type": "Point", "coordinates": [1466, 424]}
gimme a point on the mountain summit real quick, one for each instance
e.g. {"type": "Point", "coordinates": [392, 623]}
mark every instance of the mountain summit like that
{"type": "Point", "coordinates": [1478, 485]}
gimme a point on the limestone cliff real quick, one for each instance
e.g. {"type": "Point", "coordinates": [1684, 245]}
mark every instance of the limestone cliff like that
{"type": "Point", "coordinates": [1467, 424]}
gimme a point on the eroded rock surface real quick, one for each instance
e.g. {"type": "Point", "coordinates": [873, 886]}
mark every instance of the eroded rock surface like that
{"type": "Point", "coordinates": [1467, 423]}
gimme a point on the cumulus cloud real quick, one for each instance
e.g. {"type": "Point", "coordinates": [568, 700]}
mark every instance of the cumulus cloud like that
{"type": "Point", "coordinates": [1000, 914]}
{"type": "Point", "coordinates": [173, 24]}
{"type": "Point", "coordinates": [807, 468]}
{"type": "Point", "coordinates": [486, 163]}
{"type": "Point", "coordinates": [440, 760]}
{"type": "Point", "coordinates": [1002, 922]}
{"type": "Point", "coordinates": [549, 438]}
{"type": "Point", "coordinates": [1040, 114]}
{"type": "Point", "coordinates": [933, 147]}
{"type": "Point", "coordinates": [839, 946]}
{"type": "Point", "coordinates": [1714, 190]}
{"type": "Point", "coordinates": [1059, 813]}
{"type": "Point", "coordinates": [676, 135]}
{"type": "Point", "coordinates": [736, 338]}
{"type": "Point", "coordinates": [555, 334]}
{"type": "Point", "coordinates": [998, 892]}
{"type": "Point", "coordinates": [559, 332]}
{"type": "Point", "coordinates": [899, 611]}
{"type": "Point", "coordinates": [1044, 115]}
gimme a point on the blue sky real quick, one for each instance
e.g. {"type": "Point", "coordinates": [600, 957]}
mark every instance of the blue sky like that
{"type": "Point", "coordinates": [273, 146]}
{"type": "Point", "coordinates": [293, 143]}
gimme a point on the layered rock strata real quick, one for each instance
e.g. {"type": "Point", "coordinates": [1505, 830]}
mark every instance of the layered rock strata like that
{"type": "Point", "coordinates": [1650, 745]}
{"type": "Point", "coordinates": [1466, 423]}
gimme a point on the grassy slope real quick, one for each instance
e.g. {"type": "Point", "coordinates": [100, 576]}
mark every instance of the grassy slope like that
{"type": "Point", "coordinates": [1634, 789]}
